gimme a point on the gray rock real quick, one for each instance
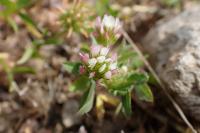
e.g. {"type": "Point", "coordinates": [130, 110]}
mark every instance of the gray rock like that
{"type": "Point", "coordinates": [174, 48]}
{"type": "Point", "coordinates": [69, 113]}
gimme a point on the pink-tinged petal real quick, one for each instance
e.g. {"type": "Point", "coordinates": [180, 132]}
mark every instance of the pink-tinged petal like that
{"type": "Point", "coordinates": [117, 29]}
{"type": "Point", "coordinates": [118, 26]}
{"type": "Point", "coordinates": [108, 75]}
{"type": "Point", "coordinates": [102, 29]}
{"type": "Point", "coordinates": [117, 35]}
{"type": "Point", "coordinates": [82, 70]}
{"type": "Point", "coordinates": [114, 71]}
{"type": "Point", "coordinates": [92, 74]}
{"type": "Point", "coordinates": [98, 22]}
{"type": "Point", "coordinates": [107, 35]}
{"type": "Point", "coordinates": [114, 57]}
{"type": "Point", "coordinates": [95, 49]}
{"type": "Point", "coordinates": [84, 57]}
{"type": "Point", "coordinates": [95, 34]}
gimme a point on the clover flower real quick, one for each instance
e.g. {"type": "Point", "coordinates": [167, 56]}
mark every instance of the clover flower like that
{"type": "Point", "coordinates": [98, 63]}
{"type": "Point", "coordinates": [108, 29]}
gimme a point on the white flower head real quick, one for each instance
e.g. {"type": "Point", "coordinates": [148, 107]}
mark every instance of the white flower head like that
{"type": "Point", "coordinates": [101, 59]}
{"type": "Point", "coordinates": [92, 62]}
{"type": "Point", "coordinates": [108, 21]}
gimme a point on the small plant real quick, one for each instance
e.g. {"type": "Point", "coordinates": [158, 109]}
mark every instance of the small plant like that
{"type": "Point", "coordinates": [77, 18]}
{"type": "Point", "coordinates": [118, 70]}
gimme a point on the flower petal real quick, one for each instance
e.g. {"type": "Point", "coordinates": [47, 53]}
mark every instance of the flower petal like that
{"type": "Point", "coordinates": [108, 75]}
{"type": "Point", "coordinates": [92, 62]}
{"type": "Point", "coordinates": [113, 66]}
{"type": "Point", "coordinates": [95, 49]}
{"type": "Point", "coordinates": [104, 51]}
{"type": "Point", "coordinates": [84, 57]}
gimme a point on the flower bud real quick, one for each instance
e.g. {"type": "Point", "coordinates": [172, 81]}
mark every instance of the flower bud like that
{"type": "Point", "coordinates": [102, 68]}
{"type": "Point", "coordinates": [84, 57]}
{"type": "Point", "coordinates": [108, 60]}
{"type": "Point", "coordinates": [82, 70]}
{"type": "Point", "coordinates": [92, 74]}
{"type": "Point", "coordinates": [92, 62]}
{"type": "Point", "coordinates": [95, 49]}
{"type": "Point", "coordinates": [101, 59]}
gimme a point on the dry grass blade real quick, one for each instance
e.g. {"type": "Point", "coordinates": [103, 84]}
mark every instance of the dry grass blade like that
{"type": "Point", "coordinates": [176, 106]}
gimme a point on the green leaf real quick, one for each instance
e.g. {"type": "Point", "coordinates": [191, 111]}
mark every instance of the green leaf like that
{"type": "Point", "coordinates": [13, 24]}
{"type": "Point", "coordinates": [26, 19]}
{"type": "Point", "coordinates": [53, 41]}
{"type": "Point", "coordinates": [138, 78]}
{"type": "Point", "coordinates": [23, 69]}
{"type": "Point", "coordinates": [88, 99]}
{"type": "Point", "coordinates": [85, 47]}
{"type": "Point", "coordinates": [26, 56]}
{"type": "Point", "coordinates": [172, 3]}
{"type": "Point", "coordinates": [123, 83]}
{"type": "Point", "coordinates": [9, 8]}
{"type": "Point", "coordinates": [152, 79]}
{"type": "Point", "coordinates": [126, 104]}
{"type": "Point", "coordinates": [72, 67]}
{"type": "Point", "coordinates": [143, 92]}
{"type": "Point", "coordinates": [94, 41]}
{"type": "Point", "coordinates": [22, 3]}
{"type": "Point", "coordinates": [126, 55]}
{"type": "Point", "coordinates": [81, 83]}
{"type": "Point", "coordinates": [103, 6]}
